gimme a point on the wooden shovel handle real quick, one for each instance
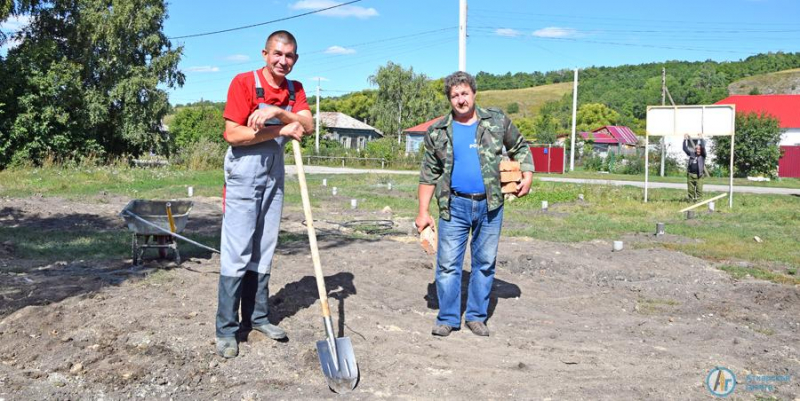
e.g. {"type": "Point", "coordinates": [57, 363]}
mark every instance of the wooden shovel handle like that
{"type": "Point", "coordinates": [312, 235]}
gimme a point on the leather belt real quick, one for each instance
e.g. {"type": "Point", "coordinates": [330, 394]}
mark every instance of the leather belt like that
{"type": "Point", "coordinates": [477, 197]}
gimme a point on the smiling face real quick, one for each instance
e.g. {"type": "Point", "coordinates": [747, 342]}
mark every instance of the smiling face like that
{"type": "Point", "coordinates": [697, 150]}
{"type": "Point", "coordinates": [280, 58]}
{"type": "Point", "coordinates": [462, 100]}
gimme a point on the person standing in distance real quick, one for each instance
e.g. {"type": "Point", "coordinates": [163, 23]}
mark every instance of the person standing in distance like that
{"type": "Point", "coordinates": [461, 166]}
{"type": "Point", "coordinates": [264, 111]}
{"type": "Point", "coordinates": [695, 167]}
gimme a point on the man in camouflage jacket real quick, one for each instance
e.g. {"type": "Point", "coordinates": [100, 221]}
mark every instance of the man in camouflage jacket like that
{"type": "Point", "coordinates": [461, 165]}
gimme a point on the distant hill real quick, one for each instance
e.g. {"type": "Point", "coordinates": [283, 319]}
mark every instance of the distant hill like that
{"type": "Point", "coordinates": [777, 83]}
{"type": "Point", "coordinates": [529, 100]}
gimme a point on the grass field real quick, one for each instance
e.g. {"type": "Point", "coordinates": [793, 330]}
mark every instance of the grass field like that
{"type": "Point", "coordinates": [781, 82]}
{"type": "Point", "coordinates": [725, 237]}
{"type": "Point", "coordinates": [530, 100]}
{"type": "Point", "coordinates": [737, 182]}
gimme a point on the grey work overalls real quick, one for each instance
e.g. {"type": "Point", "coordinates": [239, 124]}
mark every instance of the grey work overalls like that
{"type": "Point", "coordinates": [252, 203]}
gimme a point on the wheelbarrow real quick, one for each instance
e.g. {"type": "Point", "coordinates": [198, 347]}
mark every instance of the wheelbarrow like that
{"type": "Point", "coordinates": [152, 223]}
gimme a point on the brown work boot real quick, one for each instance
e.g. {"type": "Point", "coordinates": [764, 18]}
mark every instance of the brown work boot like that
{"type": "Point", "coordinates": [478, 328]}
{"type": "Point", "coordinates": [441, 330]}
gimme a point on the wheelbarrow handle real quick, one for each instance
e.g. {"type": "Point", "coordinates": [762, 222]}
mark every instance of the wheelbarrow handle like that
{"type": "Point", "coordinates": [181, 237]}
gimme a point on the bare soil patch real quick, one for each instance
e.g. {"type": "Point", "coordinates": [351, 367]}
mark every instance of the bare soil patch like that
{"type": "Point", "coordinates": [568, 321]}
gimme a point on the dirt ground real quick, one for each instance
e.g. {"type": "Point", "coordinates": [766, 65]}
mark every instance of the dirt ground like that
{"type": "Point", "coordinates": [568, 321]}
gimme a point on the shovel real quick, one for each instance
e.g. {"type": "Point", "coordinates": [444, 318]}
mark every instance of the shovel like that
{"type": "Point", "coordinates": [335, 354]}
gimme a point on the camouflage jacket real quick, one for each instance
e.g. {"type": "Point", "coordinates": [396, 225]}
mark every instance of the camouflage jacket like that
{"type": "Point", "coordinates": [495, 130]}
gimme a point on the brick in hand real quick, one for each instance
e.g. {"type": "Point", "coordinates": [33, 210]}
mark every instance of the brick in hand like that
{"type": "Point", "coordinates": [510, 176]}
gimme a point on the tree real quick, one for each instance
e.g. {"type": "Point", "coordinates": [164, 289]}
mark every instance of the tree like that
{"type": "Point", "coordinates": [192, 124]}
{"type": "Point", "coordinates": [404, 98]}
{"type": "Point", "coordinates": [756, 149]}
{"type": "Point", "coordinates": [89, 76]}
{"type": "Point", "coordinates": [594, 115]}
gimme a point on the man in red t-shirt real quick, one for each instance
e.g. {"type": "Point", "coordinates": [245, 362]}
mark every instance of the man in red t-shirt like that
{"type": "Point", "coordinates": [264, 111]}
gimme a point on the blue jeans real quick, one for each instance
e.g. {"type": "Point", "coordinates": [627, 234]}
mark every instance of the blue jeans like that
{"type": "Point", "coordinates": [466, 215]}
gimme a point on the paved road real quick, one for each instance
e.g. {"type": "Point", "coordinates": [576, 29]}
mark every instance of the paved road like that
{"type": "Point", "coordinates": [290, 169]}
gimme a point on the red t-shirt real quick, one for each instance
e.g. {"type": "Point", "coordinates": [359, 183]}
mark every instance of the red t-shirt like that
{"type": "Point", "coordinates": [242, 99]}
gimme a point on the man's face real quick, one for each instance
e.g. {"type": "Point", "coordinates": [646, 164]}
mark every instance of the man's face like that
{"type": "Point", "coordinates": [280, 58]}
{"type": "Point", "coordinates": [462, 100]}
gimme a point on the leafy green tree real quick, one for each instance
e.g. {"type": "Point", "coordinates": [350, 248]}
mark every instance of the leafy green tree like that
{"type": "Point", "coordinates": [89, 76]}
{"type": "Point", "coordinates": [755, 149]}
{"type": "Point", "coordinates": [191, 124]}
{"type": "Point", "coordinates": [404, 99]}
{"type": "Point", "coordinates": [591, 116]}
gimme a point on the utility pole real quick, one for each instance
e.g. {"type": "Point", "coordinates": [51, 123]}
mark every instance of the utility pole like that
{"type": "Point", "coordinates": [574, 121]}
{"type": "Point", "coordinates": [316, 138]}
{"type": "Point", "coordinates": [663, 102]}
{"type": "Point", "coordinates": [462, 36]}
{"type": "Point", "coordinates": [399, 122]}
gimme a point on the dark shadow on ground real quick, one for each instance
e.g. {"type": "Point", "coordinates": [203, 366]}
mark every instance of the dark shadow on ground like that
{"type": "Point", "coordinates": [500, 289]}
{"type": "Point", "coordinates": [302, 294]}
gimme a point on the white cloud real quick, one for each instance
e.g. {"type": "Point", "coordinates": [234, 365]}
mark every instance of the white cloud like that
{"type": "Point", "coordinates": [238, 58]}
{"type": "Point", "coordinates": [511, 33]}
{"type": "Point", "coordinates": [202, 68]}
{"type": "Point", "coordinates": [339, 50]}
{"type": "Point", "coordinates": [555, 32]}
{"type": "Point", "coordinates": [342, 12]}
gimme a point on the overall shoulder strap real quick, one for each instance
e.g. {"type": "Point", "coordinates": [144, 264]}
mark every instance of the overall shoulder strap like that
{"type": "Point", "coordinates": [259, 89]}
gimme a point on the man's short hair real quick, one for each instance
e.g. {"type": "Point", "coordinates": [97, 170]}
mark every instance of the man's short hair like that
{"type": "Point", "coordinates": [283, 37]}
{"type": "Point", "coordinates": [459, 78]}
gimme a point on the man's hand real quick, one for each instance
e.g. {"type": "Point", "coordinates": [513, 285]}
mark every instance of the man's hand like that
{"type": "Point", "coordinates": [525, 185]}
{"type": "Point", "coordinates": [292, 131]}
{"type": "Point", "coordinates": [685, 136]}
{"type": "Point", "coordinates": [423, 220]}
{"type": "Point", "coordinates": [260, 116]}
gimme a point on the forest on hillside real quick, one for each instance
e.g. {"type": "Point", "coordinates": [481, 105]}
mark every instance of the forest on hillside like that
{"type": "Point", "coordinates": [606, 95]}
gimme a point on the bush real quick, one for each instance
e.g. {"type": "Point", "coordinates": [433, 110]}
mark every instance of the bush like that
{"type": "Point", "coordinates": [201, 155]}
{"type": "Point", "coordinates": [512, 108]}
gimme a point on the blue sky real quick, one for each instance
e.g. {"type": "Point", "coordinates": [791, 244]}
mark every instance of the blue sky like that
{"type": "Point", "coordinates": [344, 46]}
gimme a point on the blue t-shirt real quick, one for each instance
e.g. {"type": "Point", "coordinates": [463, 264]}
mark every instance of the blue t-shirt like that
{"type": "Point", "coordinates": [467, 176]}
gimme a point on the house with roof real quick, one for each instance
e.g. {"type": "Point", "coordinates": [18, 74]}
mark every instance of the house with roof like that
{"type": "Point", "coordinates": [416, 134]}
{"type": "Point", "coordinates": [348, 131]}
{"type": "Point", "coordinates": [786, 108]}
{"type": "Point", "coordinates": [617, 138]}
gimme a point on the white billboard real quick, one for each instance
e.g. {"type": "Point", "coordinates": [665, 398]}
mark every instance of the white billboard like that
{"type": "Point", "coordinates": [708, 120]}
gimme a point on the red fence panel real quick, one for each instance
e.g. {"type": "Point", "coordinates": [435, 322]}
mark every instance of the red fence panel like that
{"type": "Point", "coordinates": [548, 160]}
{"type": "Point", "coordinates": [789, 163]}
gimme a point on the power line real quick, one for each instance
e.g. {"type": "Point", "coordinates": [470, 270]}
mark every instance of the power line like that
{"type": "Point", "coordinates": [595, 18]}
{"type": "Point", "coordinates": [194, 35]}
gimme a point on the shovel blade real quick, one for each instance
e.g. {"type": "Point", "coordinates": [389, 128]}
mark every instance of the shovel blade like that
{"type": "Point", "coordinates": [345, 378]}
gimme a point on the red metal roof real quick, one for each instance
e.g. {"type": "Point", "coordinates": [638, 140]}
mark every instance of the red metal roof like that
{"type": "Point", "coordinates": [599, 137]}
{"type": "Point", "coordinates": [785, 108]}
{"type": "Point", "coordinates": [621, 133]}
{"type": "Point", "coordinates": [422, 128]}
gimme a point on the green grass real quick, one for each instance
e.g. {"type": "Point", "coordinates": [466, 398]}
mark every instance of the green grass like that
{"type": "Point", "coordinates": [740, 272]}
{"type": "Point", "coordinates": [530, 100]}
{"type": "Point", "coordinates": [91, 181]}
{"type": "Point", "coordinates": [648, 306]}
{"type": "Point", "coordinates": [681, 179]}
{"type": "Point", "coordinates": [608, 212]}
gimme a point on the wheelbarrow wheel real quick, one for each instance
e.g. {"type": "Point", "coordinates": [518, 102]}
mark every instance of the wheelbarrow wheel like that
{"type": "Point", "coordinates": [135, 250]}
{"type": "Point", "coordinates": [162, 241]}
